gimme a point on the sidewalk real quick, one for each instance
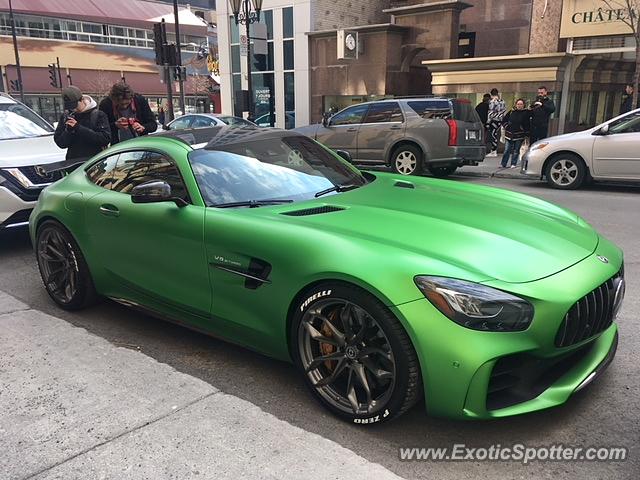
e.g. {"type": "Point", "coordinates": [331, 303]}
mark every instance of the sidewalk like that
{"type": "Point", "coordinates": [491, 168]}
{"type": "Point", "coordinates": [74, 406]}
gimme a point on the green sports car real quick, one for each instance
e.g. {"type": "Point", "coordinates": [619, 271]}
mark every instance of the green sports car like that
{"type": "Point", "coordinates": [381, 289]}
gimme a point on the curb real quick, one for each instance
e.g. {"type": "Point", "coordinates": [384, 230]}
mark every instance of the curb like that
{"type": "Point", "coordinates": [494, 174]}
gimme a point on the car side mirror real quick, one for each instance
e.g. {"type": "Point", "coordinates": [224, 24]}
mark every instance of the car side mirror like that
{"type": "Point", "coordinates": [154, 192]}
{"type": "Point", "coordinates": [604, 130]}
{"type": "Point", "coordinates": [345, 155]}
{"type": "Point", "coordinates": [165, 127]}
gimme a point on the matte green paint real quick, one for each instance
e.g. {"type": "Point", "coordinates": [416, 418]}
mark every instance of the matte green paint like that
{"type": "Point", "coordinates": [159, 256]}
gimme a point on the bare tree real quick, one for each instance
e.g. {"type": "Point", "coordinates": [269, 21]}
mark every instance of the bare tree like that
{"type": "Point", "coordinates": [628, 11]}
{"type": "Point", "coordinates": [201, 85]}
{"type": "Point", "coordinates": [100, 84]}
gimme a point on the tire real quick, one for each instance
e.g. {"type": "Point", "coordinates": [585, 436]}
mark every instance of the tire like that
{"type": "Point", "coordinates": [341, 361]}
{"type": "Point", "coordinates": [407, 160]}
{"type": "Point", "coordinates": [63, 268]}
{"type": "Point", "coordinates": [441, 172]}
{"type": "Point", "coordinates": [566, 172]}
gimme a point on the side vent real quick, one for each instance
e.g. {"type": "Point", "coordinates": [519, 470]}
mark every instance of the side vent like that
{"type": "Point", "coordinates": [403, 184]}
{"type": "Point", "coordinates": [313, 211]}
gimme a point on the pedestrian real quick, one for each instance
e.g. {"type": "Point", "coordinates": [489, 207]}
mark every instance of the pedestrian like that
{"type": "Point", "coordinates": [496, 113]}
{"type": "Point", "coordinates": [627, 104]}
{"type": "Point", "coordinates": [517, 124]}
{"type": "Point", "coordinates": [482, 109]}
{"type": "Point", "coordinates": [161, 116]}
{"type": "Point", "coordinates": [541, 111]}
{"type": "Point", "coordinates": [82, 129]}
{"type": "Point", "coordinates": [129, 113]}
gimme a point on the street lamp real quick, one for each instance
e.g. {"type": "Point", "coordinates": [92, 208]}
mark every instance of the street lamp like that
{"type": "Point", "coordinates": [242, 14]}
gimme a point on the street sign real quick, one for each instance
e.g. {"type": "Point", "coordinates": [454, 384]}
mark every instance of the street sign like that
{"type": "Point", "coordinates": [259, 38]}
{"type": "Point", "coordinates": [244, 45]}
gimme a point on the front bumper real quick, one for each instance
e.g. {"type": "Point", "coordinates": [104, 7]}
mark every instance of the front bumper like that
{"type": "Point", "coordinates": [461, 368]}
{"type": "Point", "coordinates": [14, 211]}
{"type": "Point", "coordinates": [533, 163]}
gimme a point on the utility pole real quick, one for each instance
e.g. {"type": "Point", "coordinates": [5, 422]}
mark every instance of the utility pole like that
{"type": "Point", "coordinates": [179, 56]}
{"type": "Point", "coordinates": [15, 49]}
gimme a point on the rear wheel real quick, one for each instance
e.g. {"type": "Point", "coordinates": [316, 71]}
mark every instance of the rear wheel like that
{"type": "Point", "coordinates": [442, 172]}
{"type": "Point", "coordinates": [356, 357]}
{"type": "Point", "coordinates": [407, 160]}
{"type": "Point", "coordinates": [566, 172]}
{"type": "Point", "coordinates": [63, 268]}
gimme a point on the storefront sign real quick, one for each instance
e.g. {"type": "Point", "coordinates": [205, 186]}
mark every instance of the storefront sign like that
{"type": "Point", "coordinates": [592, 18]}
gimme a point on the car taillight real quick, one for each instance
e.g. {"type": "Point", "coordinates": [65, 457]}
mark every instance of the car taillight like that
{"type": "Point", "coordinates": [453, 132]}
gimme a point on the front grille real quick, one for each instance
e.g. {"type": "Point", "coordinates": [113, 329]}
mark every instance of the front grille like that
{"type": "Point", "coordinates": [313, 211]}
{"type": "Point", "coordinates": [38, 176]}
{"type": "Point", "coordinates": [590, 315]}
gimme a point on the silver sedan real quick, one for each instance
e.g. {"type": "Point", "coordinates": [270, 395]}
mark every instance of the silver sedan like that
{"type": "Point", "coordinates": [609, 151]}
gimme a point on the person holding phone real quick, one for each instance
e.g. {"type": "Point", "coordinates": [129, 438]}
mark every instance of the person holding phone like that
{"type": "Point", "coordinates": [129, 113]}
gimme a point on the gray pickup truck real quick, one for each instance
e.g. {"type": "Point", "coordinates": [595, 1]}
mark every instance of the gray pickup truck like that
{"type": "Point", "coordinates": [410, 135]}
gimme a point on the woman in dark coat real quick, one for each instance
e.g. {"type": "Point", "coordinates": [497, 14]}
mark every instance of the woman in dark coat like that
{"type": "Point", "coordinates": [517, 125]}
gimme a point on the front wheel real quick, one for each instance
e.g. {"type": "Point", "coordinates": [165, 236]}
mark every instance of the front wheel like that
{"type": "Point", "coordinates": [566, 172]}
{"type": "Point", "coordinates": [442, 172]}
{"type": "Point", "coordinates": [63, 268]}
{"type": "Point", "coordinates": [357, 359]}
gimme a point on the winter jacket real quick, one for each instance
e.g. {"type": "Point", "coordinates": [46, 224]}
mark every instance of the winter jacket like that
{"type": "Point", "coordinates": [90, 135]}
{"type": "Point", "coordinates": [540, 115]}
{"type": "Point", "coordinates": [517, 124]}
{"type": "Point", "coordinates": [627, 105]}
{"type": "Point", "coordinates": [497, 109]}
{"type": "Point", "coordinates": [483, 111]}
{"type": "Point", "coordinates": [143, 114]}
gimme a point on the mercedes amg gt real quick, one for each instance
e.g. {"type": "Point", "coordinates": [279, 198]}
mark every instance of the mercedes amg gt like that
{"type": "Point", "coordinates": [380, 288]}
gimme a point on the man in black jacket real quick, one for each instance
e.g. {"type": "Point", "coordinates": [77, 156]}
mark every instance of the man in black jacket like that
{"type": "Point", "coordinates": [83, 129]}
{"type": "Point", "coordinates": [129, 114]}
{"type": "Point", "coordinates": [542, 109]}
{"type": "Point", "coordinates": [627, 104]}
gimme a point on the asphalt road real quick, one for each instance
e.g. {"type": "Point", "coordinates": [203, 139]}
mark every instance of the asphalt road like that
{"type": "Point", "coordinates": [605, 414]}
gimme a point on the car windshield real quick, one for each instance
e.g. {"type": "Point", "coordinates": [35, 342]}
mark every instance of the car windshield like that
{"type": "Point", "coordinates": [17, 121]}
{"type": "Point", "coordinates": [290, 168]}
{"type": "Point", "coordinates": [627, 124]}
{"type": "Point", "coordinates": [234, 120]}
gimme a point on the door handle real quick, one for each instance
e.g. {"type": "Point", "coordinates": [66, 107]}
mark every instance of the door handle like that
{"type": "Point", "coordinates": [352, 129]}
{"type": "Point", "coordinates": [396, 128]}
{"type": "Point", "coordinates": [109, 210]}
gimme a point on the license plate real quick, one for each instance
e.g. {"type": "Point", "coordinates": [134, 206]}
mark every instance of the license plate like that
{"type": "Point", "coordinates": [472, 134]}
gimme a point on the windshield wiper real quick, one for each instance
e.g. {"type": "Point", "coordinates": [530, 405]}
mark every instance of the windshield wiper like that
{"type": "Point", "coordinates": [252, 203]}
{"type": "Point", "coordinates": [337, 188]}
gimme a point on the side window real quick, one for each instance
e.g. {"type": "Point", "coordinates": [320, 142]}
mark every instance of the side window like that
{"type": "Point", "coordinates": [628, 124]}
{"type": "Point", "coordinates": [181, 123]}
{"type": "Point", "coordinates": [384, 112]}
{"type": "Point", "coordinates": [201, 122]}
{"type": "Point", "coordinates": [431, 108]}
{"type": "Point", "coordinates": [349, 116]}
{"type": "Point", "coordinates": [136, 168]}
{"type": "Point", "coordinates": [101, 173]}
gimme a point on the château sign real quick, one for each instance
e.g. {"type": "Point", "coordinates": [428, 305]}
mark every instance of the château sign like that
{"type": "Point", "coordinates": [592, 18]}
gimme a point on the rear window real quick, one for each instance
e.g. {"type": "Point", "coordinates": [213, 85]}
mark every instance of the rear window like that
{"type": "Point", "coordinates": [431, 108]}
{"type": "Point", "coordinates": [464, 111]}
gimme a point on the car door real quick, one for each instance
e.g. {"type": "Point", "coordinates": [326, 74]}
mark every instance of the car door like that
{"type": "Point", "coordinates": [153, 252]}
{"type": "Point", "coordinates": [382, 126]}
{"type": "Point", "coordinates": [341, 133]}
{"type": "Point", "coordinates": [616, 153]}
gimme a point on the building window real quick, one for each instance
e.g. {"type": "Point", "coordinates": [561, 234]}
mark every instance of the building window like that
{"type": "Point", "coordinates": [287, 22]}
{"type": "Point", "coordinates": [289, 92]}
{"type": "Point", "coordinates": [287, 46]}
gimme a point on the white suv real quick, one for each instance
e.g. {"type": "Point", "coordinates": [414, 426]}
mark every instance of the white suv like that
{"type": "Point", "coordinates": [26, 145]}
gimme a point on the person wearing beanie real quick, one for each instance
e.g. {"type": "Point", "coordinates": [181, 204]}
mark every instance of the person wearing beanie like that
{"type": "Point", "coordinates": [83, 129]}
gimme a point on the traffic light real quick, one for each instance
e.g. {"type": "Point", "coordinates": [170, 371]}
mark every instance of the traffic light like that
{"type": "Point", "coordinates": [180, 72]}
{"type": "Point", "coordinates": [53, 76]}
{"type": "Point", "coordinates": [158, 42]}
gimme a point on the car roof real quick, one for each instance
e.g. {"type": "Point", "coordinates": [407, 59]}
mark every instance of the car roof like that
{"type": "Point", "coordinates": [213, 138]}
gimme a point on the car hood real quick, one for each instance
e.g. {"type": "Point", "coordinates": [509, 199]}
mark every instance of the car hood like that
{"type": "Point", "coordinates": [494, 233]}
{"type": "Point", "coordinates": [22, 152]}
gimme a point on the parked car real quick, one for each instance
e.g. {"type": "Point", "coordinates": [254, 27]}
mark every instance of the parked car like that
{"type": "Point", "coordinates": [265, 120]}
{"type": "Point", "coordinates": [26, 147]}
{"type": "Point", "coordinates": [204, 120]}
{"type": "Point", "coordinates": [380, 288]}
{"type": "Point", "coordinates": [610, 151]}
{"type": "Point", "coordinates": [410, 135]}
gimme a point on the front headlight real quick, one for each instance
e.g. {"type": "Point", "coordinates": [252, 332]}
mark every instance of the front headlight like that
{"type": "Point", "coordinates": [538, 146]}
{"type": "Point", "coordinates": [476, 306]}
